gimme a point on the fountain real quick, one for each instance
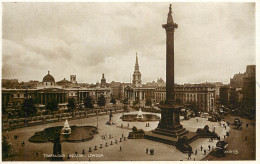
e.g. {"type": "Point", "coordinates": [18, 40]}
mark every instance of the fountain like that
{"type": "Point", "coordinates": [140, 117]}
{"type": "Point", "coordinates": [65, 133]}
{"type": "Point", "coordinates": [66, 130]}
{"type": "Point", "coordinates": [140, 114]}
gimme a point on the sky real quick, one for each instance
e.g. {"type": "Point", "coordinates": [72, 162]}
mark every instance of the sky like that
{"type": "Point", "coordinates": [213, 41]}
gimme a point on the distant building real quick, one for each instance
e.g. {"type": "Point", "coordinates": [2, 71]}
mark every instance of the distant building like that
{"type": "Point", "coordinates": [159, 83]}
{"type": "Point", "coordinates": [249, 87]}
{"type": "Point", "coordinates": [103, 83]}
{"type": "Point", "coordinates": [9, 83]}
{"type": "Point", "coordinates": [64, 83]}
{"type": "Point", "coordinates": [73, 79]}
{"type": "Point", "coordinates": [136, 92]}
{"type": "Point", "coordinates": [116, 90]}
{"type": "Point", "coordinates": [48, 89]}
{"type": "Point", "coordinates": [160, 94]}
{"type": "Point", "coordinates": [237, 81]}
{"type": "Point", "coordinates": [224, 94]}
{"type": "Point", "coordinates": [48, 81]}
{"type": "Point", "coordinates": [202, 95]}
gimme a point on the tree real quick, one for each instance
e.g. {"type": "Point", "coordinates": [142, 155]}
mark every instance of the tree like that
{"type": "Point", "coordinates": [28, 107]}
{"type": "Point", "coordinates": [101, 100]}
{"type": "Point", "coordinates": [162, 103]}
{"type": "Point", "coordinates": [52, 105]}
{"type": "Point", "coordinates": [125, 101]}
{"type": "Point", "coordinates": [113, 101]}
{"type": "Point", "coordinates": [6, 147]}
{"type": "Point", "coordinates": [88, 102]}
{"type": "Point", "coordinates": [194, 107]}
{"type": "Point", "coordinates": [71, 104]}
{"type": "Point", "coordinates": [148, 102]}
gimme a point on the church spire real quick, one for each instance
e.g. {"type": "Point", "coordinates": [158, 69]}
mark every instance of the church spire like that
{"type": "Point", "coordinates": [136, 60]}
{"type": "Point", "coordinates": [137, 75]}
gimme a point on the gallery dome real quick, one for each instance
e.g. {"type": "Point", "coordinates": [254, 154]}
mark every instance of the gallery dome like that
{"type": "Point", "coordinates": [48, 78]}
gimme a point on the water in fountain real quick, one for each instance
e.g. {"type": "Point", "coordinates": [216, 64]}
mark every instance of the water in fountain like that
{"type": "Point", "coordinates": [140, 114]}
{"type": "Point", "coordinates": [66, 129]}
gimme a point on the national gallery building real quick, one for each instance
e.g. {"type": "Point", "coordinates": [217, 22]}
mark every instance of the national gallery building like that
{"type": "Point", "coordinates": [49, 89]}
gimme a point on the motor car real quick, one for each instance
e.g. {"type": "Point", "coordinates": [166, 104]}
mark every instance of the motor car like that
{"type": "Point", "coordinates": [237, 121]}
{"type": "Point", "coordinates": [222, 144]}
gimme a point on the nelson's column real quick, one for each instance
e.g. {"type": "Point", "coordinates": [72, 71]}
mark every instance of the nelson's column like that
{"type": "Point", "coordinates": [169, 128]}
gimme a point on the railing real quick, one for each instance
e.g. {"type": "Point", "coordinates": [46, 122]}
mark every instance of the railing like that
{"type": "Point", "coordinates": [10, 124]}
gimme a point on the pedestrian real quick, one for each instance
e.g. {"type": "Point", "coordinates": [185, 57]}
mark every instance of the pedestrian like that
{"type": "Point", "coordinates": [95, 148]}
{"type": "Point", "coordinates": [209, 147]}
{"type": "Point", "coordinates": [189, 155]}
{"type": "Point", "coordinates": [196, 152]}
{"type": "Point", "coordinates": [111, 143]}
{"type": "Point", "coordinates": [120, 148]}
{"type": "Point", "coordinates": [83, 151]}
{"type": "Point", "coordinates": [106, 144]}
{"type": "Point", "coordinates": [224, 136]}
{"type": "Point", "coordinates": [201, 148]}
{"type": "Point", "coordinates": [247, 125]}
{"type": "Point", "coordinates": [68, 157]}
{"type": "Point", "coordinates": [36, 154]}
{"type": "Point", "coordinates": [146, 150]}
{"type": "Point", "coordinates": [101, 146]}
{"type": "Point", "coordinates": [89, 150]}
{"type": "Point", "coordinates": [148, 124]}
{"type": "Point", "coordinates": [204, 152]}
{"type": "Point", "coordinates": [225, 127]}
{"type": "Point", "coordinates": [120, 139]}
{"type": "Point", "coordinates": [245, 138]}
{"type": "Point", "coordinates": [22, 143]}
{"type": "Point", "coordinates": [76, 152]}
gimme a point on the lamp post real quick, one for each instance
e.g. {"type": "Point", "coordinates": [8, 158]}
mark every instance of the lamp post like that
{"type": "Point", "coordinates": [97, 118]}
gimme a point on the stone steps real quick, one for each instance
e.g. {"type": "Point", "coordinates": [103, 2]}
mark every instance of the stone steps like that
{"type": "Point", "coordinates": [171, 134]}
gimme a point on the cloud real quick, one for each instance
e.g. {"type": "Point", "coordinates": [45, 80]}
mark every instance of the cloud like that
{"type": "Point", "coordinates": [213, 40]}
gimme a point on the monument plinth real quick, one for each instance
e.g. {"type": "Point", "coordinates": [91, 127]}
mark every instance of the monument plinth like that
{"type": "Point", "coordinates": [169, 128]}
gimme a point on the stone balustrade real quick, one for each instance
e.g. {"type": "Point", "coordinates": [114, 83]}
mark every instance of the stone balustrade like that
{"type": "Point", "coordinates": [10, 124]}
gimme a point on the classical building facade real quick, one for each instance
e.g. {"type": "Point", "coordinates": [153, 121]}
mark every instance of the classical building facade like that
{"type": "Point", "coordinates": [204, 96]}
{"type": "Point", "coordinates": [136, 92]}
{"type": "Point", "coordinates": [48, 89]}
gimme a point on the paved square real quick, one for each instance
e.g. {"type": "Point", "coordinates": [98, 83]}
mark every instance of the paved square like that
{"type": "Point", "coordinates": [131, 149]}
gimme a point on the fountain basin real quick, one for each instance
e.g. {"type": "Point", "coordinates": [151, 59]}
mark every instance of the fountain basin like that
{"type": "Point", "coordinates": [137, 118]}
{"type": "Point", "coordinates": [78, 134]}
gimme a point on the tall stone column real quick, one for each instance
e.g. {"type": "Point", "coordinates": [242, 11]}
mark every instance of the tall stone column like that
{"type": "Point", "coordinates": [169, 112]}
{"type": "Point", "coordinates": [169, 28]}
